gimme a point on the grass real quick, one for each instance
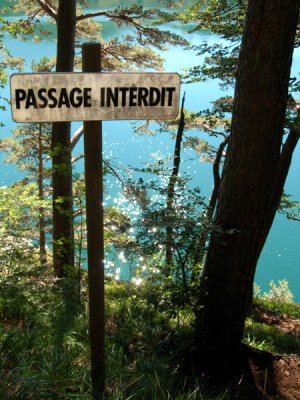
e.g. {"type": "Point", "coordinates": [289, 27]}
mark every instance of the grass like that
{"type": "Point", "coordinates": [282, 307]}
{"type": "Point", "coordinates": [44, 348]}
{"type": "Point", "coordinates": [269, 338]}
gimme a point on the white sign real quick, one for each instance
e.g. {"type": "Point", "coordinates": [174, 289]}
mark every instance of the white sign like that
{"type": "Point", "coordinates": [94, 96]}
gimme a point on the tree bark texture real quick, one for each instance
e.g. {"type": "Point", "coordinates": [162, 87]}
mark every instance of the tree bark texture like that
{"type": "Point", "coordinates": [63, 236]}
{"type": "Point", "coordinates": [252, 178]}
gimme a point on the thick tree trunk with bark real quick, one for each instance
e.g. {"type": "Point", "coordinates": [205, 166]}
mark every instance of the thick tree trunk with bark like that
{"type": "Point", "coordinates": [254, 173]}
{"type": "Point", "coordinates": [63, 236]}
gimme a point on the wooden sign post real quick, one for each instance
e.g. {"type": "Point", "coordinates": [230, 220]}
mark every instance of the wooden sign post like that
{"type": "Point", "coordinates": [91, 62]}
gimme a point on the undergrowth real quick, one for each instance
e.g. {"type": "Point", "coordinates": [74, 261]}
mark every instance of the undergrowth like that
{"type": "Point", "coordinates": [44, 347]}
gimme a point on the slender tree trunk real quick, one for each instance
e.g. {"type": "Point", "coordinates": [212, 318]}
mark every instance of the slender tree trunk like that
{"type": "Point", "coordinates": [171, 192]}
{"type": "Point", "coordinates": [200, 249]}
{"type": "Point", "coordinates": [253, 176]}
{"type": "Point", "coordinates": [63, 235]}
{"type": "Point", "coordinates": [42, 221]}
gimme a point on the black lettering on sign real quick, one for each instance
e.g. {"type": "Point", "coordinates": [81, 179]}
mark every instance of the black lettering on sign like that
{"type": "Point", "coordinates": [41, 97]}
{"type": "Point", "coordinates": [132, 96]}
{"type": "Point", "coordinates": [163, 95]}
{"type": "Point", "coordinates": [53, 103]}
{"type": "Point", "coordinates": [87, 97]}
{"type": "Point", "coordinates": [20, 96]}
{"type": "Point", "coordinates": [170, 91]}
{"type": "Point", "coordinates": [102, 97]}
{"type": "Point", "coordinates": [30, 100]}
{"type": "Point", "coordinates": [143, 94]}
{"type": "Point", "coordinates": [154, 97]}
{"type": "Point", "coordinates": [136, 96]}
{"type": "Point", "coordinates": [112, 96]}
{"type": "Point", "coordinates": [53, 98]}
{"type": "Point", "coordinates": [76, 99]}
{"type": "Point", "coordinates": [124, 91]}
{"type": "Point", "coordinates": [63, 99]}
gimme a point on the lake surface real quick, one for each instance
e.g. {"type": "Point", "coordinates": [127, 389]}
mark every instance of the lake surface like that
{"type": "Point", "coordinates": [280, 258]}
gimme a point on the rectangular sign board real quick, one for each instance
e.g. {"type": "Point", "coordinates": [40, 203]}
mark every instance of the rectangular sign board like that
{"type": "Point", "coordinates": [51, 97]}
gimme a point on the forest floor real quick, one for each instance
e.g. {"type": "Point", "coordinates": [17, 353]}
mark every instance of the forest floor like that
{"type": "Point", "coordinates": [276, 376]}
{"type": "Point", "coordinates": [44, 344]}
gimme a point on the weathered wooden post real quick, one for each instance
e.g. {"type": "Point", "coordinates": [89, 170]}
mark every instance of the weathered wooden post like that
{"type": "Point", "coordinates": [91, 62]}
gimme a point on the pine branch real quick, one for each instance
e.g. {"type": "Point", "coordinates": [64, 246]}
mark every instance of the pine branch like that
{"type": "Point", "coordinates": [76, 137]}
{"type": "Point", "coordinates": [287, 152]}
{"type": "Point", "coordinates": [286, 157]}
{"type": "Point", "coordinates": [48, 8]}
{"type": "Point", "coordinates": [146, 35]}
{"type": "Point", "coordinates": [200, 248]}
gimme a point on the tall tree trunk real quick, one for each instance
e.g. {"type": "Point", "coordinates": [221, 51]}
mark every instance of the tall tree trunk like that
{"type": "Point", "coordinates": [171, 192]}
{"type": "Point", "coordinates": [253, 176]}
{"type": "Point", "coordinates": [42, 221]}
{"type": "Point", "coordinates": [63, 235]}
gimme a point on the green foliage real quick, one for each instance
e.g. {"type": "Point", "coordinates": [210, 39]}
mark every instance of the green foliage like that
{"type": "Point", "coordinates": [151, 229]}
{"type": "Point", "coordinates": [280, 293]}
{"type": "Point", "coordinates": [44, 342]}
{"type": "Point", "coordinates": [24, 149]}
{"type": "Point", "coordinates": [19, 211]}
{"type": "Point", "coordinates": [136, 50]}
{"type": "Point", "coordinates": [41, 347]}
{"type": "Point", "coordinates": [3, 76]}
{"type": "Point", "coordinates": [268, 338]}
{"type": "Point", "coordinates": [226, 19]}
{"type": "Point", "coordinates": [289, 207]}
{"type": "Point", "coordinates": [45, 64]}
{"type": "Point", "coordinates": [214, 122]}
{"type": "Point", "coordinates": [278, 299]}
{"type": "Point", "coordinates": [7, 61]}
{"type": "Point", "coordinates": [116, 228]}
{"type": "Point", "coordinates": [278, 305]}
{"type": "Point", "coordinates": [44, 347]}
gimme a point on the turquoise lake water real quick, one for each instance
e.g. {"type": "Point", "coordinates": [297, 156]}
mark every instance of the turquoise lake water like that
{"type": "Point", "coordinates": [280, 258]}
